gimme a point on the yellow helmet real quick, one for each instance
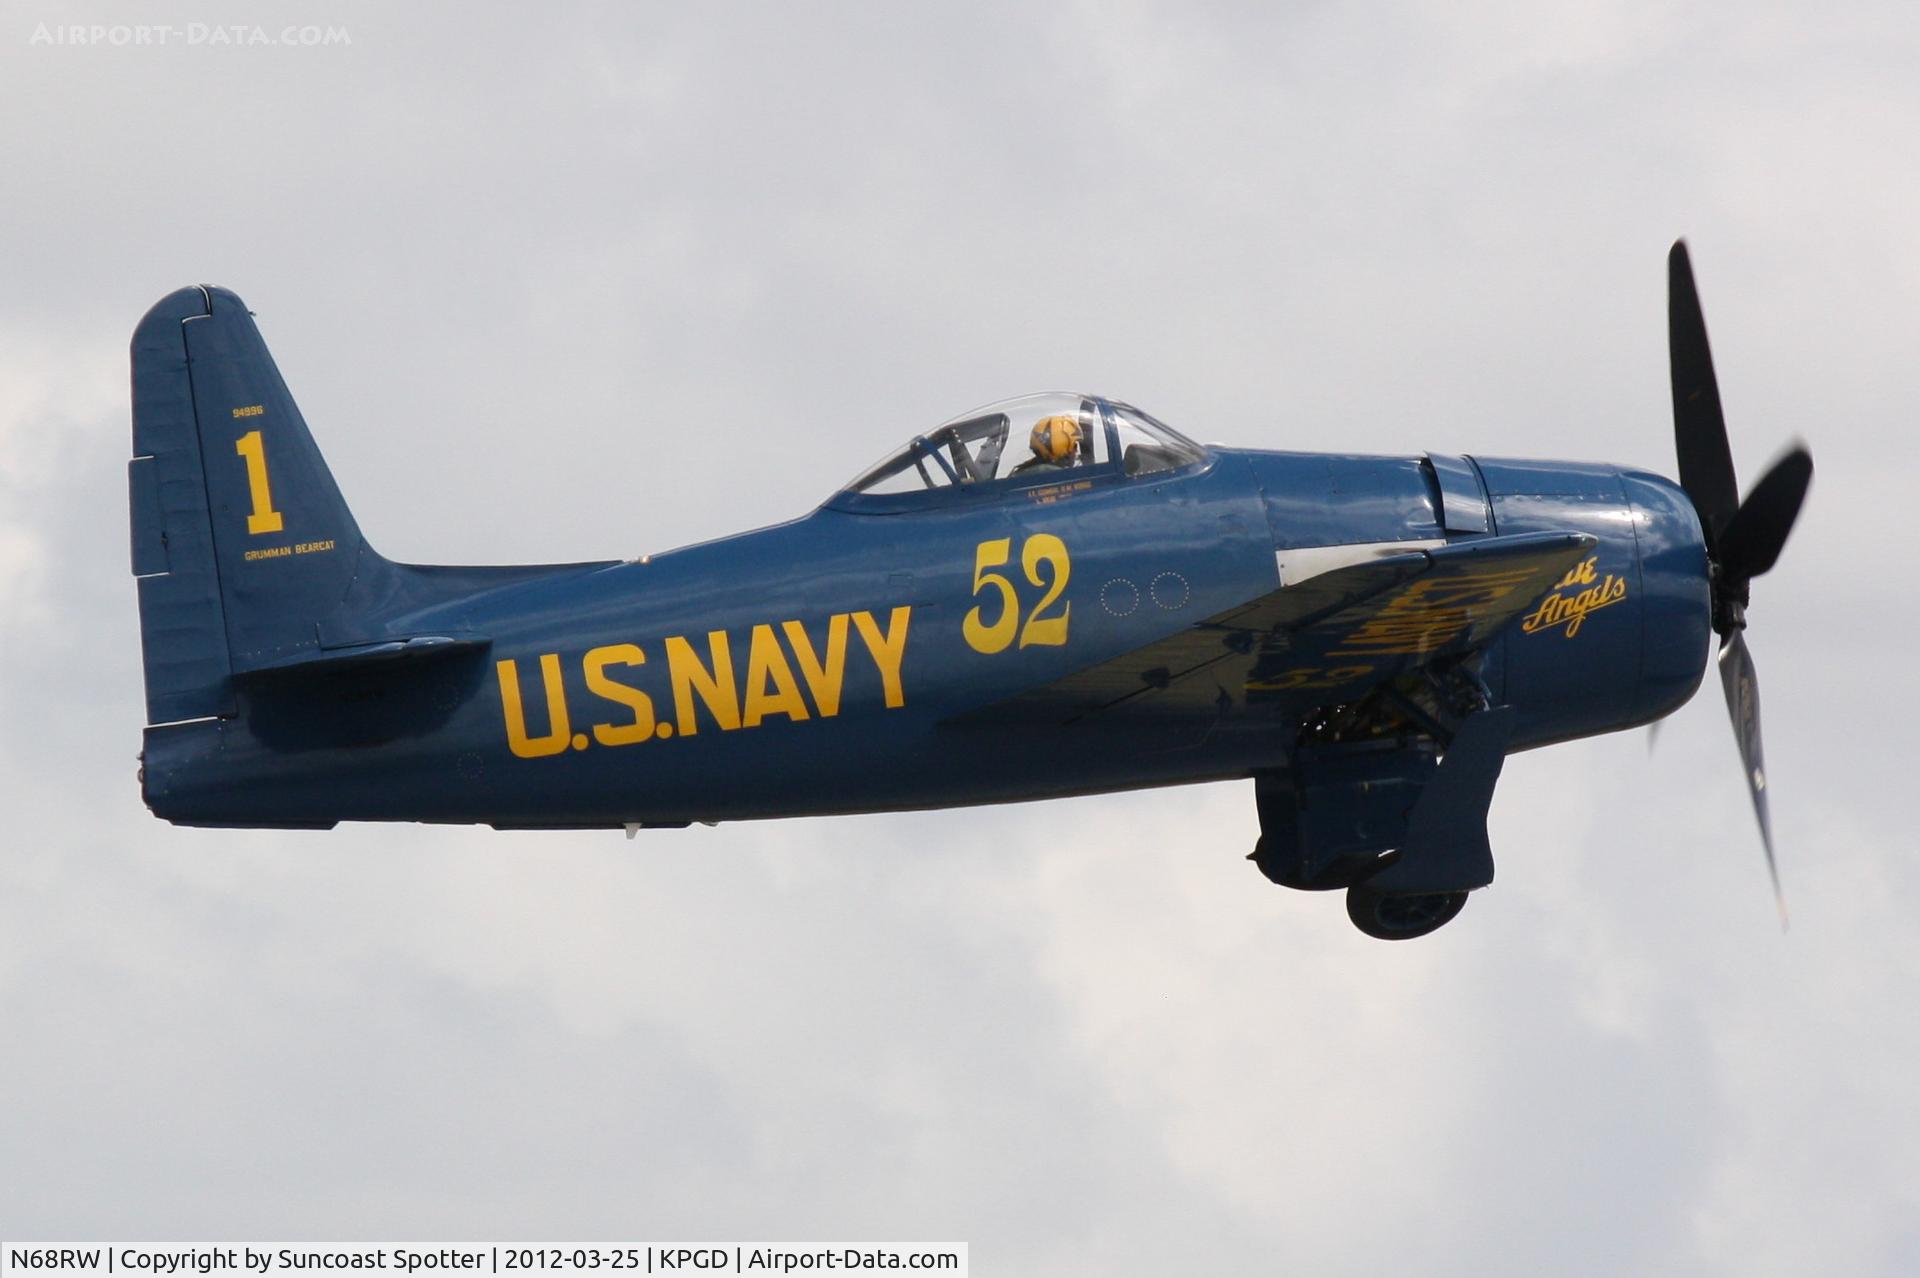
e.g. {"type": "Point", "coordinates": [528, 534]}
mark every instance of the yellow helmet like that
{"type": "Point", "coordinates": [1055, 438]}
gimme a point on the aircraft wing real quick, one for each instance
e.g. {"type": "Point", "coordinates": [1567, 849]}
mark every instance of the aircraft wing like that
{"type": "Point", "coordinates": [1321, 640]}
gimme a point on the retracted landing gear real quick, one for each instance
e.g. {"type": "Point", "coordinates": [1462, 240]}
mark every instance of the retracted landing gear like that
{"type": "Point", "coordinates": [1399, 821]}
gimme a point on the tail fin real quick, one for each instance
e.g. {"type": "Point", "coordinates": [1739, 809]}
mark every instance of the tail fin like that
{"type": "Point", "coordinates": [241, 542]}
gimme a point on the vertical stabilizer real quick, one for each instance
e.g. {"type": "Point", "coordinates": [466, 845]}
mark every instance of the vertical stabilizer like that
{"type": "Point", "coordinates": [241, 541]}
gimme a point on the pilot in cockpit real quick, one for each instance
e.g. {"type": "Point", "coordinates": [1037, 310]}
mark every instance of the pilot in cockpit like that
{"type": "Point", "coordinates": [1055, 442]}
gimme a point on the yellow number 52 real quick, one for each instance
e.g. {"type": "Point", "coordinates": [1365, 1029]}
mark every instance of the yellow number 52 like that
{"type": "Point", "coordinates": [1039, 550]}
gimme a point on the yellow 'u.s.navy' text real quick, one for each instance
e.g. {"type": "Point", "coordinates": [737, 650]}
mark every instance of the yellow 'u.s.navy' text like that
{"type": "Point", "coordinates": [703, 684]}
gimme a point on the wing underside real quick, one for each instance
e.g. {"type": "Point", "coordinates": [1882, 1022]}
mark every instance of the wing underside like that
{"type": "Point", "coordinates": [1324, 640]}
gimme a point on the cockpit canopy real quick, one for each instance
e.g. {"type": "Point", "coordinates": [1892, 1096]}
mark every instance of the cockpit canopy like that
{"type": "Point", "coordinates": [1052, 436]}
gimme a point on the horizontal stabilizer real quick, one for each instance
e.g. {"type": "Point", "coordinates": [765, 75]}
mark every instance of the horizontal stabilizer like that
{"type": "Point", "coordinates": [327, 660]}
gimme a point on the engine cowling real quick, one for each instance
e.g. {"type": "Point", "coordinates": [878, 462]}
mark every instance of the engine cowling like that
{"type": "Point", "coordinates": [1623, 638]}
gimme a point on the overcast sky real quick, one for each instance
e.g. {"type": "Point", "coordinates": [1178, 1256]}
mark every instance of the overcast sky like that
{"type": "Point", "coordinates": [625, 276]}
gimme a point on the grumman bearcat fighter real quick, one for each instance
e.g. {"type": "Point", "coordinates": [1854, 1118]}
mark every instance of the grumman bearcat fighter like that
{"type": "Point", "coordinates": [1059, 577]}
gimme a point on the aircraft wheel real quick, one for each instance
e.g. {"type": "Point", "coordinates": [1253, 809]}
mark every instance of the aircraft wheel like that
{"type": "Point", "coordinates": [1390, 917]}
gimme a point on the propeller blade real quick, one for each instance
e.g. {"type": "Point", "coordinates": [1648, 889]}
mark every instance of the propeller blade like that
{"type": "Point", "coordinates": [1699, 426]}
{"type": "Point", "coordinates": [1759, 528]}
{"type": "Point", "coordinates": [1742, 685]}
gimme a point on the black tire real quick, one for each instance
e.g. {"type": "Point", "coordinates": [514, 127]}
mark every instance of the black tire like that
{"type": "Point", "coordinates": [1390, 917]}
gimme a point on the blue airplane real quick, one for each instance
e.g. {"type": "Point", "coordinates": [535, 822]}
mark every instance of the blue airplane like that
{"type": "Point", "coordinates": [1054, 595]}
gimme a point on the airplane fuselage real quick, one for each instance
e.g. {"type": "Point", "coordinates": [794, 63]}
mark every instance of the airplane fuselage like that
{"type": "Point", "coordinates": [827, 665]}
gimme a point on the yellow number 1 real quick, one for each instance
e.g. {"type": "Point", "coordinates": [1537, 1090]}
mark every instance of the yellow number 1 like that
{"type": "Point", "coordinates": [265, 518]}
